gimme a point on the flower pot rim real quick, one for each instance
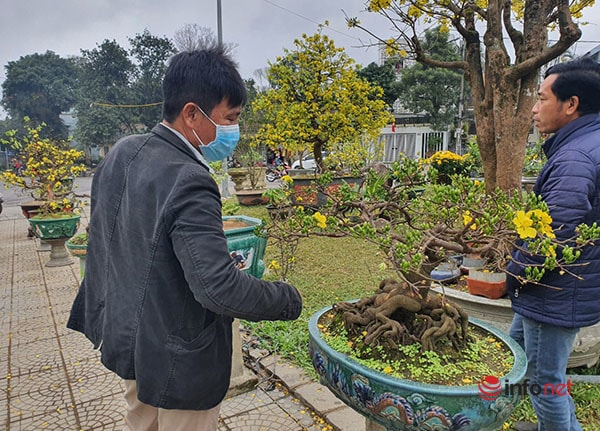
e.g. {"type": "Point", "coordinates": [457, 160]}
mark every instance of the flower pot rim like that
{"type": "Point", "coordinates": [62, 217]}
{"type": "Point", "coordinates": [252, 223]}
{"type": "Point", "coordinates": [516, 374]}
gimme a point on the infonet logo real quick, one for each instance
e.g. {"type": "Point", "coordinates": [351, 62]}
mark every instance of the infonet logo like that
{"type": "Point", "coordinates": [490, 388]}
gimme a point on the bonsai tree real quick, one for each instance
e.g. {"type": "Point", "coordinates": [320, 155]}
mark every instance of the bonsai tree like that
{"type": "Point", "coordinates": [420, 224]}
{"type": "Point", "coordinates": [49, 169]}
{"type": "Point", "coordinates": [317, 102]}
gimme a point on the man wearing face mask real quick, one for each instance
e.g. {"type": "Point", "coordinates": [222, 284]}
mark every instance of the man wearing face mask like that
{"type": "Point", "coordinates": [160, 288]}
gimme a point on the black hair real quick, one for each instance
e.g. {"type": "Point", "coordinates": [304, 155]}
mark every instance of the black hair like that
{"type": "Point", "coordinates": [581, 78]}
{"type": "Point", "coordinates": [205, 77]}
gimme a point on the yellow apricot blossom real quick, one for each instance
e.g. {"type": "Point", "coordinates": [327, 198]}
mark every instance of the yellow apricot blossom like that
{"type": "Point", "coordinates": [320, 219]}
{"type": "Point", "coordinates": [523, 224]}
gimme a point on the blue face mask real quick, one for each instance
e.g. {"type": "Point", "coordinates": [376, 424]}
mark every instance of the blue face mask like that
{"type": "Point", "coordinates": [226, 139]}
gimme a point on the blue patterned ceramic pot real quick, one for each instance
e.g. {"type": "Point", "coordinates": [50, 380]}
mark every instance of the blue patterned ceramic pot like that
{"type": "Point", "coordinates": [406, 405]}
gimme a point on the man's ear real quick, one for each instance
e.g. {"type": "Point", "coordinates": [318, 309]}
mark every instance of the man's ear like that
{"type": "Point", "coordinates": [189, 113]}
{"type": "Point", "coordinates": [572, 105]}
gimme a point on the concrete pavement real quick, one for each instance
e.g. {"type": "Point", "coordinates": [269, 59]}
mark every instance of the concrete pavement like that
{"type": "Point", "coordinates": [52, 379]}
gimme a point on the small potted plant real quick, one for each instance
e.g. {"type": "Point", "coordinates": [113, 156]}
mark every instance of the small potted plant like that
{"type": "Point", "coordinates": [77, 245]}
{"type": "Point", "coordinates": [49, 169]}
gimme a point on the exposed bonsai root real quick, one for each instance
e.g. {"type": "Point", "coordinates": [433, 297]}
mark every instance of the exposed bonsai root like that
{"type": "Point", "coordinates": [398, 315]}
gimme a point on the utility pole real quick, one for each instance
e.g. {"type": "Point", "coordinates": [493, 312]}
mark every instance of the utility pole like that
{"type": "Point", "coordinates": [225, 181]}
{"type": "Point", "coordinates": [219, 24]}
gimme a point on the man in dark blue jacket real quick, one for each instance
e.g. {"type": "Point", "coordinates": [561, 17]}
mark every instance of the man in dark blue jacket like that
{"type": "Point", "coordinates": [160, 289]}
{"type": "Point", "coordinates": [548, 315]}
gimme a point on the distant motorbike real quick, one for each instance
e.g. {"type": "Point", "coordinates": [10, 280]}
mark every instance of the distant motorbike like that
{"type": "Point", "coordinates": [276, 173]}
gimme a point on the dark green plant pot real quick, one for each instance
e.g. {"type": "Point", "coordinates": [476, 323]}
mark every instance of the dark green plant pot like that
{"type": "Point", "coordinates": [54, 228]}
{"type": "Point", "coordinates": [405, 405]}
{"type": "Point", "coordinates": [56, 231]}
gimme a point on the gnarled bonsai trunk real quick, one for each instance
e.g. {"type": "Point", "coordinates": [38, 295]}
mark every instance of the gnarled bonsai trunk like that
{"type": "Point", "coordinates": [398, 315]}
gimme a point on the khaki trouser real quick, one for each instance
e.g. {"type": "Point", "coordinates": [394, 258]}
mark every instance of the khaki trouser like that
{"type": "Point", "coordinates": [142, 417]}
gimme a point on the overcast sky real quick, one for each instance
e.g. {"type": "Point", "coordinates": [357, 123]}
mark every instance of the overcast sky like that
{"type": "Point", "coordinates": [260, 28]}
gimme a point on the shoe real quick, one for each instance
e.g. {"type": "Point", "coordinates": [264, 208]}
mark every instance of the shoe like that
{"type": "Point", "coordinates": [525, 426]}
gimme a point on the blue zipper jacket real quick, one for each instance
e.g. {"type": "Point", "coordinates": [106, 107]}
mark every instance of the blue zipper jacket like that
{"type": "Point", "coordinates": [570, 184]}
{"type": "Point", "coordinates": [160, 288]}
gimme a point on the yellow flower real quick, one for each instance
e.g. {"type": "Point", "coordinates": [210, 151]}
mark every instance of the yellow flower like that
{"type": "Point", "coordinates": [321, 220]}
{"type": "Point", "coordinates": [467, 218]}
{"type": "Point", "coordinates": [388, 370]}
{"type": "Point", "coordinates": [287, 179]}
{"type": "Point", "coordinates": [544, 221]}
{"type": "Point", "coordinates": [523, 224]}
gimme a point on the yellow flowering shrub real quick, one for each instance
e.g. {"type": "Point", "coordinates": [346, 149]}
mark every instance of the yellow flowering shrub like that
{"type": "Point", "coordinates": [444, 164]}
{"type": "Point", "coordinates": [49, 169]}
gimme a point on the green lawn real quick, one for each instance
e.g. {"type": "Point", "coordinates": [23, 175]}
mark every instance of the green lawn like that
{"type": "Point", "coordinates": [329, 270]}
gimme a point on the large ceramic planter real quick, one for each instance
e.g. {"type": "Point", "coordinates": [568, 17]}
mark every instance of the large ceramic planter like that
{"type": "Point", "coordinates": [498, 312]}
{"type": "Point", "coordinates": [406, 405]}
{"type": "Point", "coordinates": [244, 246]}
{"type": "Point", "coordinates": [56, 231]}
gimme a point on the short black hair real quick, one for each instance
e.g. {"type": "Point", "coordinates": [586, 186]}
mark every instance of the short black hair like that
{"type": "Point", "coordinates": [205, 77]}
{"type": "Point", "coordinates": [581, 78]}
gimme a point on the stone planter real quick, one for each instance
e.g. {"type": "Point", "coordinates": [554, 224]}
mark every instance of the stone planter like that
{"type": "Point", "coordinates": [498, 312]}
{"type": "Point", "coordinates": [56, 231]}
{"type": "Point", "coordinates": [241, 177]}
{"type": "Point", "coordinates": [406, 405]}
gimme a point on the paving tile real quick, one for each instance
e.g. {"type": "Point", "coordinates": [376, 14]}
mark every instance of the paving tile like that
{"type": "Point", "coordinates": [267, 418]}
{"type": "Point", "coordinates": [319, 397]}
{"type": "Point", "coordinates": [63, 419]}
{"type": "Point", "coordinates": [39, 393]}
{"type": "Point", "coordinates": [25, 331]}
{"type": "Point", "coordinates": [347, 419]}
{"type": "Point", "coordinates": [35, 357]}
{"type": "Point", "coordinates": [102, 414]}
{"type": "Point", "coordinates": [244, 403]}
{"type": "Point", "coordinates": [90, 380]}
{"type": "Point", "coordinates": [75, 347]}
{"type": "Point", "coordinates": [292, 375]}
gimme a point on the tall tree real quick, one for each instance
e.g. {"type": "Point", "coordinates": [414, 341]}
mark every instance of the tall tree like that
{"type": "Point", "coordinates": [317, 100]}
{"type": "Point", "coordinates": [150, 54]}
{"type": "Point", "coordinates": [191, 37]}
{"type": "Point", "coordinates": [433, 90]}
{"type": "Point", "coordinates": [385, 77]}
{"type": "Point", "coordinates": [40, 86]}
{"type": "Point", "coordinates": [503, 86]}
{"type": "Point", "coordinates": [105, 79]}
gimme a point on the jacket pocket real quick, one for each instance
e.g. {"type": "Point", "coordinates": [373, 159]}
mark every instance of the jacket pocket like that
{"type": "Point", "coordinates": [199, 369]}
{"type": "Point", "coordinates": [205, 338]}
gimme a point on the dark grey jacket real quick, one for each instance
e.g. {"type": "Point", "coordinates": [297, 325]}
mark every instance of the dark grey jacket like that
{"type": "Point", "coordinates": [160, 288]}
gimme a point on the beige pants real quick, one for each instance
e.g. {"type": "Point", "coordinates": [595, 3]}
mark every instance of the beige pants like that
{"type": "Point", "coordinates": [142, 417]}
